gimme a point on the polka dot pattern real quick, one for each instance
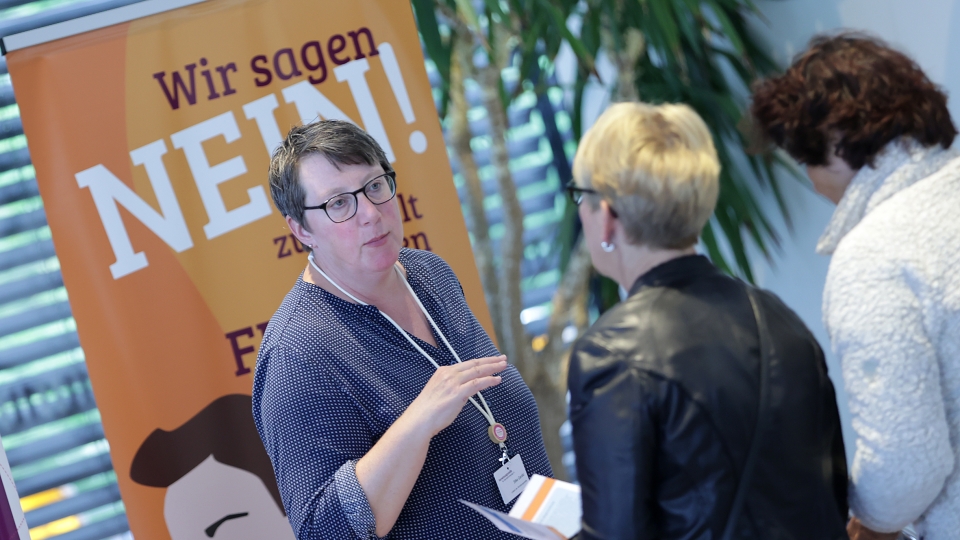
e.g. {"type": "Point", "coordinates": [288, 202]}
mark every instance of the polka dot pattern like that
{"type": "Point", "coordinates": [332, 376]}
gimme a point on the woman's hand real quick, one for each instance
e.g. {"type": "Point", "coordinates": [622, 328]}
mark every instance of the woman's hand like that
{"type": "Point", "coordinates": [858, 531]}
{"type": "Point", "coordinates": [388, 471]}
{"type": "Point", "coordinates": [447, 391]}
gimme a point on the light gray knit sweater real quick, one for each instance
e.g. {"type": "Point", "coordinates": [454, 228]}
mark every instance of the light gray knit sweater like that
{"type": "Point", "coordinates": [892, 308]}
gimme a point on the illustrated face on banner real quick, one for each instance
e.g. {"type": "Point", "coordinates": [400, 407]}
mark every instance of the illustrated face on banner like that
{"type": "Point", "coordinates": [219, 501]}
{"type": "Point", "coordinates": [151, 142]}
{"type": "Point", "coordinates": [218, 477]}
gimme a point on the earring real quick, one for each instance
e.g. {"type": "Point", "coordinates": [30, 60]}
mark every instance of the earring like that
{"type": "Point", "coordinates": [607, 246]}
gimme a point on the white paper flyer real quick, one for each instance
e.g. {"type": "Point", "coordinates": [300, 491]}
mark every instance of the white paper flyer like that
{"type": "Point", "coordinates": [548, 509]}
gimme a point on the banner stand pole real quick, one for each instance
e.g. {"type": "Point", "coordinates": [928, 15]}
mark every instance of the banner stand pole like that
{"type": "Point", "coordinates": [13, 524]}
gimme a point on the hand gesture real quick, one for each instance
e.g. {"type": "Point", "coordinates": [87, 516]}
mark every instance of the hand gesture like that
{"type": "Point", "coordinates": [388, 471]}
{"type": "Point", "coordinates": [447, 391]}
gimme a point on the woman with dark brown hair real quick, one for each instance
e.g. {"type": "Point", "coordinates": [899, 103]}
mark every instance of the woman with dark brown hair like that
{"type": "Point", "coordinates": [378, 396]}
{"type": "Point", "coordinates": [875, 133]}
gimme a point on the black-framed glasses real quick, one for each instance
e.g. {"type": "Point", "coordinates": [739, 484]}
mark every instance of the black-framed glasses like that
{"type": "Point", "coordinates": [379, 190]}
{"type": "Point", "coordinates": [576, 193]}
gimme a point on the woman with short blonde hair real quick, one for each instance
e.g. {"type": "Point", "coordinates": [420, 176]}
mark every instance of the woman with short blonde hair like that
{"type": "Point", "coordinates": [658, 167]}
{"type": "Point", "coordinates": [675, 431]}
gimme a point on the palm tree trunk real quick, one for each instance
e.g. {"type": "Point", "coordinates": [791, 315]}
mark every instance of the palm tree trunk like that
{"type": "Point", "coordinates": [542, 373]}
{"type": "Point", "coordinates": [515, 343]}
{"type": "Point", "coordinates": [569, 308]}
{"type": "Point", "coordinates": [550, 382]}
{"type": "Point", "coordinates": [460, 137]}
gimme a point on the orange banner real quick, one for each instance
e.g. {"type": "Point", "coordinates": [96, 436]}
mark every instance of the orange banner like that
{"type": "Point", "coordinates": [151, 141]}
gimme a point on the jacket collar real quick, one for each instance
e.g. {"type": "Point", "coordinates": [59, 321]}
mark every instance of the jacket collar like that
{"type": "Point", "coordinates": [674, 272]}
{"type": "Point", "coordinates": [900, 164]}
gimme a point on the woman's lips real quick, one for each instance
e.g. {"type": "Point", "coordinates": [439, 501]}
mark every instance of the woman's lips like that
{"type": "Point", "coordinates": [378, 241]}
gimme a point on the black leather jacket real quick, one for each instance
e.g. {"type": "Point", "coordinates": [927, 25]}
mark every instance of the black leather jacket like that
{"type": "Point", "coordinates": [664, 393]}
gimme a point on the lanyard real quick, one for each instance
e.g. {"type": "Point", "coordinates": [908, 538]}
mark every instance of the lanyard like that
{"type": "Point", "coordinates": [485, 409]}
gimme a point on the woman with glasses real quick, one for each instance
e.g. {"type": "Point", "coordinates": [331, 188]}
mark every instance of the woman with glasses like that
{"type": "Point", "coordinates": [701, 407]}
{"type": "Point", "coordinates": [378, 396]}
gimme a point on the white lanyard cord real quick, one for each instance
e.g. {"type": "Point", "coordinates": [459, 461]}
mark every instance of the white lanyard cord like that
{"type": "Point", "coordinates": [485, 410]}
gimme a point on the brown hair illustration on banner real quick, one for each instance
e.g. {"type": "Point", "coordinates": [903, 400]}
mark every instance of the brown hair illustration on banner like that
{"type": "Point", "coordinates": [219, 480]}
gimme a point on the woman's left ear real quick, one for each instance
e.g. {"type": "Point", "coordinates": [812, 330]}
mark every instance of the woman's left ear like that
{"type": "Point", "coordinates": [298, 230]}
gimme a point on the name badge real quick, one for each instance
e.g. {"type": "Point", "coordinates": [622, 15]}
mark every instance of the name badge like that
{"type": "Point", "coordinates": [511, 479]}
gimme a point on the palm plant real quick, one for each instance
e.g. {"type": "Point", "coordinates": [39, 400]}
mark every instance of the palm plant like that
{"type": "Point", "coordinates": [698, 52]}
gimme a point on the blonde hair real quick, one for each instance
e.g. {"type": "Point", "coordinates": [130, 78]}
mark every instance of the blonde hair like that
{"type": "Point", "coordinates": [656, 165]}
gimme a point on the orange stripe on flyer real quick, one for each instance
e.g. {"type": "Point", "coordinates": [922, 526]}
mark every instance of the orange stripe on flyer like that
{"type": "Point", "coordinates": [538, 499]}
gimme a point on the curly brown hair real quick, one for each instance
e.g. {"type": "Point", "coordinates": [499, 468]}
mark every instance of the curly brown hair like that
{"type": "Point", "coordinates": [854, 91]}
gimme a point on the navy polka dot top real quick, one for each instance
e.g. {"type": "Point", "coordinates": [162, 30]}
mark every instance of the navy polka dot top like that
{"type": "Point", "coordinates": [332, 376]}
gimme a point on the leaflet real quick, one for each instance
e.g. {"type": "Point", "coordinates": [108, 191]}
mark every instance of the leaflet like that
{"type": "Point", "coordinates": [548, 509]}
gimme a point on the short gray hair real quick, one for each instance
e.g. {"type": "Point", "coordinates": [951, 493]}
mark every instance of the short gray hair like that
{"type": "Point", "coordinates": [341, 142]}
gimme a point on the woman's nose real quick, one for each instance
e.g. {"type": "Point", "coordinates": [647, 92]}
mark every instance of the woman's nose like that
{"type": "Point", "coordinates": [366, 210]}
